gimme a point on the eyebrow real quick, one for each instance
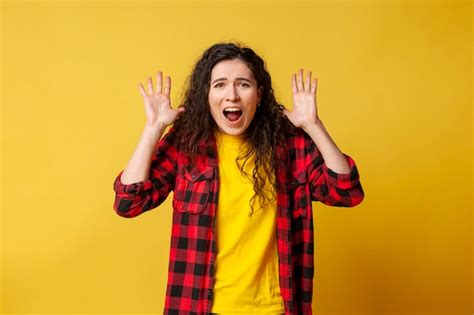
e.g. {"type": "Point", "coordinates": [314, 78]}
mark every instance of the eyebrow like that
{"type": "Point", "coordinates": [225, 79]}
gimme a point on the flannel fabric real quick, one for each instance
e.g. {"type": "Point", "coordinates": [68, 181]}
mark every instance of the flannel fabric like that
{"type": "Point", "coordinates": [304, 177]}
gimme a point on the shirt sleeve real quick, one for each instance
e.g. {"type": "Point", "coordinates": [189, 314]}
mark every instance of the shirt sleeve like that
{"type": "Point", "coordinates": [133, 199]}
{"type": "Point", "coordinates": [329, 187]}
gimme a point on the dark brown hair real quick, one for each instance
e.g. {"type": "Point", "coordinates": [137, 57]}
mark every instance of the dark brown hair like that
{"type": "Point", "coordinates": [268, 127]}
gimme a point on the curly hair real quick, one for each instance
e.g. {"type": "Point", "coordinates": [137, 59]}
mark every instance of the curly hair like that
{"type": "Point", "coordinates": [268, 127]}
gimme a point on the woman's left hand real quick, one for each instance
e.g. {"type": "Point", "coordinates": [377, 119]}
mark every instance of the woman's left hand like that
{"type": "Point", "coordinates": [304, 101]}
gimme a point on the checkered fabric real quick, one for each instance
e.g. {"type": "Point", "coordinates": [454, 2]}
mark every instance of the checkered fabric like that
{"type": "Point", "coordinates": [304, 178]}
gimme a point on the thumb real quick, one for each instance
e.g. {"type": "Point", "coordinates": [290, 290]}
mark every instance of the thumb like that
{"type": "Point", "coordinates": [286, 112]}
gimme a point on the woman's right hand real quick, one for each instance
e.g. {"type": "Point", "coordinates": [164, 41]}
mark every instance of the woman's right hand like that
{"type": "Point", "coordinates": [158, 104]}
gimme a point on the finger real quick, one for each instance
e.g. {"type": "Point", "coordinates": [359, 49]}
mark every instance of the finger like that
{"type": "Point", "coordinates": [307, 85]}
{"type": "Point", "coordinates": [142, 90]}
{"type": "Point", "coordinates": [159, 82]}
{"type": "Point", "coordinates": [314, 86]}
{"type": "Point", "coordinates": [299, 80]}
{"type": "Point", "coordinates": [181, 109]}
{"type": "Point", "coordinates": [167, 86]}
{"type": "Point", "coordinates": [150, 85]}
{"type": "Point", "coordinates": [293, 84]}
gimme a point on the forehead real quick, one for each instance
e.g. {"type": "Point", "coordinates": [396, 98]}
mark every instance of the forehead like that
{"type": "Point", "coordinates": [231, 68]}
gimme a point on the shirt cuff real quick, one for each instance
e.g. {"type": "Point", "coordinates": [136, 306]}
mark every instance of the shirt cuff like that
{"type": "Point", "coordinates": [343, 181]}
{"type": "Point", "coordinates": [135, 188]}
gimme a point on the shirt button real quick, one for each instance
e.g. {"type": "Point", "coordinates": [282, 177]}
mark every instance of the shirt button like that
{"type": "Point", "coordinates": [209, 292]}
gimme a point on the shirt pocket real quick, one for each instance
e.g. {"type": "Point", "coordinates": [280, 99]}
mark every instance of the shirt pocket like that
{"type": "Point", "coordinates": [299, 194]}
{"type": "Point", "coordinates": [193, 189]}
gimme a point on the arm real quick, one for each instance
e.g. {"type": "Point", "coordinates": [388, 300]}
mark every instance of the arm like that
{"type": "Point", "coordinates": [333, 176]}
{"type": "Point", "coordinates": [139, 165]}
{"type": "Point", "coordinates": [332, 156]}
{"type": "Point", "coordinates": [149, 177]}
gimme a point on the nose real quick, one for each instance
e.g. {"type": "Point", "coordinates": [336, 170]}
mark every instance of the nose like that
{"type": "Point", "coordinates": [232, 93]}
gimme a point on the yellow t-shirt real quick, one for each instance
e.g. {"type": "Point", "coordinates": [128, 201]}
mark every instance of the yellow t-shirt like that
{"type": "Point", "coordinates": [246, 274]}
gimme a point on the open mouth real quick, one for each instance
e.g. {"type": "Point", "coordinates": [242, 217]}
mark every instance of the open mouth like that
{"type": "Point", "coordinates": [232, 114]}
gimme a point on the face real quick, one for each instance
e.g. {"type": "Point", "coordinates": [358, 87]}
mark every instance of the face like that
{"type": "Point", "coordinates": [233, 96]}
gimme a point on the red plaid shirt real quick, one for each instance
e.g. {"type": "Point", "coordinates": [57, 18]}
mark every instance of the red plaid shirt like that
{"type": "Point", "coordinates": [304, 178]}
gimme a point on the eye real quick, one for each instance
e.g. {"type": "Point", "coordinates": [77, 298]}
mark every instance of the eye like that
{"type": "Point", "coordinates": [218, 85]}
{"type": "Point", "coordinates": [244, 84]}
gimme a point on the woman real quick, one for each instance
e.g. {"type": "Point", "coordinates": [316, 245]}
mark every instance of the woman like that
{"type": "Point", "coordinates": [244, 171]}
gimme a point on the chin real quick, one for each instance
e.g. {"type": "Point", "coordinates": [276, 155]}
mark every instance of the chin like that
{"type": "Point", "coordinates": [236, 131]}
{"type": "Point", "coordinates": [233, 131]}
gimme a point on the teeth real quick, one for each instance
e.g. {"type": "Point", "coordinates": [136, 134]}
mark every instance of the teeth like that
{"type": "Point", "coordinates": [232, 109]}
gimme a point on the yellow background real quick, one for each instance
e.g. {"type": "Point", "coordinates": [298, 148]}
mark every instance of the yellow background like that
{"type": "Point", "coordinates": [395, 84]}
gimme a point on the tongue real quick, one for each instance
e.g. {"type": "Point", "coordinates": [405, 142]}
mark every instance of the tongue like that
{"type": "Point", "coordinates": [233, 116]}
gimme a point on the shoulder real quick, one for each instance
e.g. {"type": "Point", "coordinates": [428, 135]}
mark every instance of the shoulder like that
{"type": "Point", "coordinates": [296, 137]}
{"type": "Point", "coordinates": [168, 144]}
{"type": "Point", "coordinates": [170, 137]}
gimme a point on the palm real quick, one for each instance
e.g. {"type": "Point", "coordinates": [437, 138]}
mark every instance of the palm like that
{"type": "Point", "coordinates": [158, 109]}
{"type": "Point", "coordinates": [158, 104]}
{"type": "Point", "coordinates": [304, 101]}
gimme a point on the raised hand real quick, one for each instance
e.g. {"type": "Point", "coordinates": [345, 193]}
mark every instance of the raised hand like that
{"type": "Point", "coordinates": [304, 110]}
{"type": "Point", "coordinates": [157, 103]}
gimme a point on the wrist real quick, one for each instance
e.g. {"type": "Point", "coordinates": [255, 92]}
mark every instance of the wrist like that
{"type": "Point", "coordinates": [154, 131]}
{"type": "Point", "coordinates": [156, 127]}
{"type": "Point", "coordinates": [312, 124]}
